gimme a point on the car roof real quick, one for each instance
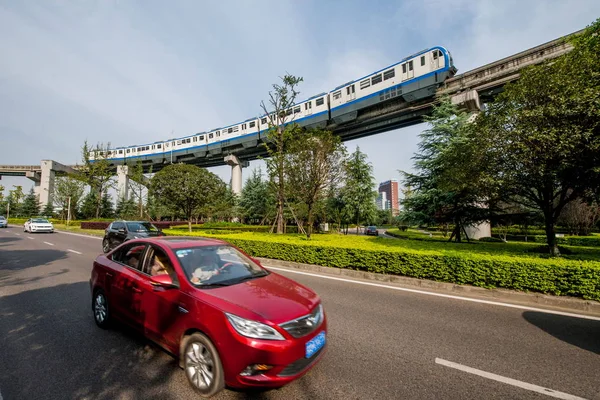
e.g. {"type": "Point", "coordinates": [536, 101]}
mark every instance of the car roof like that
{"type": "Point", "coordinates": [182, 242]}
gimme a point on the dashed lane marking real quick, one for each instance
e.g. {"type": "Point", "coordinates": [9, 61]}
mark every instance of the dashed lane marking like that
{"type": "Point", "coordinates": [49, 244]}
{"type": "Point", "coordinates": [447, 296]}
{"type": "Point", "coordinates": [508, 381]}
{"type": "Point", "coordinates": [29, 237]}
{"type": "Point", "coordinates": [74, 251]}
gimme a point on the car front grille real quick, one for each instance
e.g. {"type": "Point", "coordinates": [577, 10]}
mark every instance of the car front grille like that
{"type": "Point", "coordinates": [300, 365]}
{"type": "Point", "coordinates": [304, 325]}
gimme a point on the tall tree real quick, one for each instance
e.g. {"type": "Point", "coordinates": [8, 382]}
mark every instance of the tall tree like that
{"type": "Point", "coordinates": [544, 132]}
{"type": "Point", "coordinates": [67, 188]}
{"type": "Point", "coordinates": [126, 209]}
{"type": "Point", "coordinates": [106, 206]}
{"type": "Point", "coordinates": [281, 129]}
{"type": "Point", "coordinates": [97, 173]}
{"type": "Point", "coordinates": [255, 198]}
{"type": "Point", "coordinates": [448, 185]}
{"type": "Point", "coordinates": [314, 163]}
{"type": "Point", "coordinates": [15, 198]}
{"type": "Point", "coordinates": [186, 187]}
{"type": "Point", "coordinates": [88, 205]}
{"type": "Point", "coordinates": [359, 191]}
{"type": "Point", "coordinates": [31, 205]}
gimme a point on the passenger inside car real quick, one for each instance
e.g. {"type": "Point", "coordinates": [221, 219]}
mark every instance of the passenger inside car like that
{"type": "Point", "coordinates": [207, 266]}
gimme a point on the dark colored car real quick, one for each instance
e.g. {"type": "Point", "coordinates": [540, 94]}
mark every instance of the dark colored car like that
{"type": "Point", "coordinates": [230, 321]}
{"type": "Point", "coordinates": [122, 231]}
{"type": "Point", "coordinates": [371, 230]}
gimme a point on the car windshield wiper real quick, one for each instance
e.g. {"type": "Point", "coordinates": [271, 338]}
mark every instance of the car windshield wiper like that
{"type": "Point", "coordinates": [249, 277]}
{"type": "Point", "coordinates": [209, 285]}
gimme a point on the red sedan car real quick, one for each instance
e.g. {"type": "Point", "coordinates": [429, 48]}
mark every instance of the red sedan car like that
{"type": "Point", "coordinates": [229, 320]}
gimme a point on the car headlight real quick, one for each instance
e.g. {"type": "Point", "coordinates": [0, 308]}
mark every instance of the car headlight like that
{"type": "Point", "coordinates": [253, 329]}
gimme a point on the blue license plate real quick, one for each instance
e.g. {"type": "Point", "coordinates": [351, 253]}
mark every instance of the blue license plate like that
{"type": "Point", "coordinates": [315, 344]}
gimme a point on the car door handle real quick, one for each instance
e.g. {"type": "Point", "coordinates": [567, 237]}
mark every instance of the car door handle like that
{"type": "Point", "coordinates": [137, 290]}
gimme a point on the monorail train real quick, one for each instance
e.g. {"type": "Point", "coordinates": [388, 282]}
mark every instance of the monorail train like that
{"type": "Point", "coordinates": [415, 77]}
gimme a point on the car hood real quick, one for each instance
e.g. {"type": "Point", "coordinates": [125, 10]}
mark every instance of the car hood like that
{"type": "Point", "coordinates": [146, 234]}
{"type": "Point", "coordinates": [273, 297]}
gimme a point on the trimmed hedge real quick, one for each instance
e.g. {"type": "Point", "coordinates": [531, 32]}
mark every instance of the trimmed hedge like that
{"type": "Point", "coordinates": [552, 276]}
{"type": "Point", "coordinates": [585, 241]}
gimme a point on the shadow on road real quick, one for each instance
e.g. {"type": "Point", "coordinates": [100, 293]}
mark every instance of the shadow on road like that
{"type": "Point", "coordinates": [13, 260]}
{"type": "Point", "coordinates": [50, 348]}
{"type": "Point", "coordinates": [580, 332]}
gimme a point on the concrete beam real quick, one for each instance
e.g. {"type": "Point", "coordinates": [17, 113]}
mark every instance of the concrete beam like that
{"type": "Point", "coordinates": [46, 185]}
{"type": "Point", "coordinates": [468, 100]}
{"type": "Point", "coordinates": [34, 176]}
{"type": "Point", "coordinates": [236, 172]}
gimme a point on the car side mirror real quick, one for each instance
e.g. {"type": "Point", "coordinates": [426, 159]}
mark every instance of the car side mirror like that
{"type": "Point", "coordinates": [163, 280]}
{"type": "Point", "coordinates": [121, 230]}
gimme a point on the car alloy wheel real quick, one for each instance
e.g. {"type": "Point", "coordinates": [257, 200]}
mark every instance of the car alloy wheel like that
{"type": "Point", "coordinates": [202, 365]}
{"type": "Point", "coordinates": [105, 246]}
{"type": "Point", "coordinates": [100, 309]}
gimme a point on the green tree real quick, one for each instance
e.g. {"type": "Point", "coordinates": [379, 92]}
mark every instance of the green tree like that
{"type": "Point", "coordinates": [126, 209]}
{"type": "Point", "coordinates": [358, 193]}
{"type": "Point", "coordinates": [15, 197]}
{"type": "Point", "coordinates": [97, 173]}
{"type": "Point", "coordinates": [281, 129]}
{"type": "Point", "coordinates": [314, 163]}
{"type": "Point", "coordinates": [48, 211]}
{"type": "Point", "coordinates": [67, 188]}
{"type": "Point", "coordinates": [186, 187]}
{"type": "Point", "coordinates": [136, 179]}
{"type": "Point", "coordinates": [31, 205]}
{"type": "Point", "coordinates": [447, 187]}
{"type": "Point", "coordinates": [88, 205]}
{"type": "Point", "coordinates": [544, 132]}
{"type": "Point", "coordinates": [255, 198]}
{"type": "Point", "coordinates": [106, 206]}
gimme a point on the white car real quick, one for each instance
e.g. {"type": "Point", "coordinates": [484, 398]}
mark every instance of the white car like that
{"type": "Point", "coordinates": [3, 222]}
{"type": "Point", "coordinates": [38, 225]}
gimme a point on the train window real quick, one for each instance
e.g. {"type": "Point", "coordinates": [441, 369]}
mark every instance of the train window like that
{"type": "Point", "coordinates": [389, 74]}
{"type": "Point", "coordinates": [435, 54]}
{"type": "Point", "coordinates": [188, 140]}
{"type": "Point", "coordinates": [288, 111]}
{"type": "Point", "coordinates": [337, 95]}
{"type": "Point", "coordinates": [217, 134]}
{"type": "Point", "coordinates": [158, 146]}
{"type": "Point", "coordinates": [263, 121]}
{"type": "Point", "coordinates": [403, 68]}
{"type": "Point", "coordinates": [139, 149]}
{"type": "Point", "coordinates": [235, 128]}
{"type": "Point", "coordinates": [195, 139]}
{"type": "Point", "coordinates": [376, 79]}
{"type": "Point", "coordinates": [220, 131]}
{"type": "Point", "coordinates": [422, 60]}
{"type": "Point", "coordinates": [320, 102]}
{"type": "Point", "coordinates": [243, 126]}
{"type": "Point", "coordinates": [410, 65]}
{"type": "Point", "coordinates": [202, 137]}
{"type": "Point", "coordinates": [229, 130]}
{"type": "Point", "coordinates": [127, 151]}
{"type": "Point", "coordinates": [120, 151]}
{"type": "Point", "coordinates": [365, 84]}
{"type": "Point", "coordinates": [296, 110]}
{"type": "Point", "coordinates": [210, 135]}
{"type": "Point", "coordinates": [252, 124]}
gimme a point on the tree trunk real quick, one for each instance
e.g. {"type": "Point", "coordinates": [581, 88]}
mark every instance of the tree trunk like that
{"type": "Point", "coordinates": [190, 223]}
{"type": "Point", "coordinates": [310, 223]}
{"type": "Point", "coordinates": [550, 234]}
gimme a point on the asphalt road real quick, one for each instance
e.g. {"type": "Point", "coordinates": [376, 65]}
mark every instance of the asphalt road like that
{"type": "Point", "coordinates": [383, 343]}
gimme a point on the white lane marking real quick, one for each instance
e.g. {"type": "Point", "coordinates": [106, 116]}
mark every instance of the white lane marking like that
{"type": "Point", "coordinates": [49, 244]}
{"type": "Point", "coordinates": [73, 251]}
{"type": "Point", "coordinates": [28, 237]}
{"type": "Point", "coordinates": [447, 296]}
{"type": "Point", "coordinates": [509, 381]}
{"type": "Point", "coordinates": [79, 234]}
{"type": "Point", "coordinates": [18, 234]}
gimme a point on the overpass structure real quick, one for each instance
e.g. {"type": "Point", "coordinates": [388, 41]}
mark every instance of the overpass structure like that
{"type": "Point", "coordinates": [470, 90]}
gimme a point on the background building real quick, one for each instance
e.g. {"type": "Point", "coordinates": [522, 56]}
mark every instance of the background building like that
{"type": "Point", "coordinates": [389, 189]}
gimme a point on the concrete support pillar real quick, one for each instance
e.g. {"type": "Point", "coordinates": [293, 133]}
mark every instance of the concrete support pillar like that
{"type": "Point", "coordinates": [236, 172]}
{"type": "Point", "coordinates": [123, 182]}
{"type": "Point", "coordinates": [46, 190]}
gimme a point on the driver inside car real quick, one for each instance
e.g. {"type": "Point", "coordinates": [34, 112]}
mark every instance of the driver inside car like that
{"type": "Point", "coordinates": [207, 267]}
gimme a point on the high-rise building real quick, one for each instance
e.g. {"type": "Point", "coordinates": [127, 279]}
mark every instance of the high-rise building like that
{"type": "Point", "coordinates": [382, 202]}
{"type": "Point", "coordinates": [390, 188]}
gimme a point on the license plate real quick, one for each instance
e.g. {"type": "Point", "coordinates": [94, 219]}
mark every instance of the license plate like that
{"type": "Point", "coordinates": [315, 344]}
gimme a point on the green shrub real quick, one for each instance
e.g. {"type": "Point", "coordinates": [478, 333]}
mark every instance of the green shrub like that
{"type": "Point", "coordinates": [491, 240]}
{"type": "Point", "coordinates": [527, 272]}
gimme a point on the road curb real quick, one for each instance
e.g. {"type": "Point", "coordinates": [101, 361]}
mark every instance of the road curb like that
{"type": "Point", "coordinates": [563, 303]}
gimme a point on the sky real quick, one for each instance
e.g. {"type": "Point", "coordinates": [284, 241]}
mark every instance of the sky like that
{"type": "Point", "coordinates": [134, 72]}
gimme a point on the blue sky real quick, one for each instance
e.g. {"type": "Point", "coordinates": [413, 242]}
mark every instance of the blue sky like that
{"type": "Point", "coordinates": [129, 72]}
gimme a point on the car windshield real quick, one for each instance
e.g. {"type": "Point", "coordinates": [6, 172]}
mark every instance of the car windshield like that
{"type": "Point", "coordinates": [40, 221]}
{"type": "Point", "coordinates": [2, 218]}
{"type": "Point", "coordinates": [141, 227]}
{"type": "Point", "coordinates": [221, 265]}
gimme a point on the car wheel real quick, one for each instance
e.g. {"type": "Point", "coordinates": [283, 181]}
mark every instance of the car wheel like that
{"type": "Point", "coordinates": [202, 365]}
{"type": "Point", "coordinates": [105, 246]}
{"type": "Point", "coordinates": [101, 309]}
